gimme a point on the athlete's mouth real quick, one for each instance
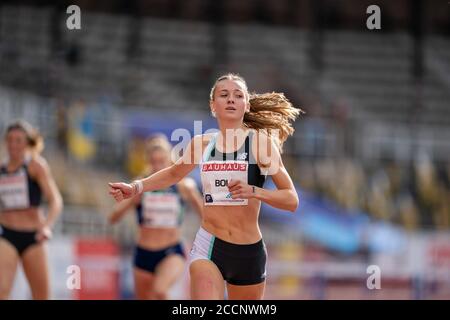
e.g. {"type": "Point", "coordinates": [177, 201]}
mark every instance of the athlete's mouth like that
{"type": "Point", "coordinates": [230, 108]}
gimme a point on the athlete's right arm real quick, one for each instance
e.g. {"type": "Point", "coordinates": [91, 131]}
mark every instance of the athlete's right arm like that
{"type": "Point", "coordinates": [163, 178]}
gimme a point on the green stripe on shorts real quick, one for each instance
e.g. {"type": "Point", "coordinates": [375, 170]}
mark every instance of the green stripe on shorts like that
{"type": "Point", "coordinates": [211, 245]}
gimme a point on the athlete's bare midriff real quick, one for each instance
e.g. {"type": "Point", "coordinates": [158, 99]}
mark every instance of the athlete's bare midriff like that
{"type": "Point", "coordinates": [157, 238]}
{"type": "Point", "coordinates": [235, 224]}
{"type": "Point", "coordinates": [29, 219]}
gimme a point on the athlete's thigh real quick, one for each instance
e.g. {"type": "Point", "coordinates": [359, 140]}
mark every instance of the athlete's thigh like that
{"type": "Point", "coordinates": [248, 292]}
{"type": "Point", "coordinates": [168, 271]}
{"type": "Point", "coordinates": [35, 267]}
{"type": "Point", "coordinates": [206, 281]}
{"type": "Point", "coordinates": [9, 260]}
{"type": "Point", "coordinates": [143, 283]}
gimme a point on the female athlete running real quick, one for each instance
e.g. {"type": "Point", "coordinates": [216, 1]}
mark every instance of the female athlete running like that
{"type": "Point", "coordinates": [24, 177]}
{"type": "Point", "coordinates": [159, 256]}
{"type": "Point", "coordinates": [234, 163]}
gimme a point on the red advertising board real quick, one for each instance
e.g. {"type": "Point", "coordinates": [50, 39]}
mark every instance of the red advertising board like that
{"type": "Point", "coordinates": [98, 260]}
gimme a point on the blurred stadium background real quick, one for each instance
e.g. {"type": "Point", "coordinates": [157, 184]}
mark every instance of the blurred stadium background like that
{"type": "Point", "coordinates": [370, 158]}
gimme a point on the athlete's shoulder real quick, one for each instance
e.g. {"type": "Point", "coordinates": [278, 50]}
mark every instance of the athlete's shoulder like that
{"type": "Point", "coordinates": [209, 135]}
{"type": "Point", "coordinates": [203, 139]}
{"type": "Point", "coordinates": [265, 148]}
{"type": "Point", "coordinates": [261, 138]}
{"type": "Point", "coordinates": [38, 162]}
{"type": "Point", "coordinates": [205, 136]}
{"type": "Point", "coordinates": [259, 133]}
{"type": "Point", "coordinates": [38, 166]}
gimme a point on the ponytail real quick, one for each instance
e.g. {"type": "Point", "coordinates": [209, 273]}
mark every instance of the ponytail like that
{"type": "Point", "coordinates": [272, 111]}
{"type": "Point", "coordinates": [36, 143]}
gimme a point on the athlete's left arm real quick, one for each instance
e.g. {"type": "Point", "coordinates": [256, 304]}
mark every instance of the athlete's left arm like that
{"type": "Point", "coordinates": [190, 194]}
{"type": "Point", "coordinates": [48, 186]}
{"type": "Point", "coordinates": [271, 163]}
{"type": "Point", "coordinates": [285, 197]}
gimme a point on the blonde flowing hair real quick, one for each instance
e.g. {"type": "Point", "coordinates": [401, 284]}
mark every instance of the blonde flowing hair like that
{"type": "Point", "coordinates": [268, 111]}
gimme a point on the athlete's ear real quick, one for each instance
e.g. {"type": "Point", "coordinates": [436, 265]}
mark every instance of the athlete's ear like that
{"type": "Point", "coordinates": [213, 110]}
{"type": "Point", "coordinates": [247, 106]}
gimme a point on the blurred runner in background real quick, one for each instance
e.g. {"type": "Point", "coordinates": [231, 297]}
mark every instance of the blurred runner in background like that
{"type": "Point", "coordinates": [24, 177]}
{"type": "Point", "coordinates": [159, 257]}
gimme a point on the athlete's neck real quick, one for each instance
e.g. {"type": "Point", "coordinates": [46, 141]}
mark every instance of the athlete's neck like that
{"type": "Point", "coordinates": [230, 127]}
{"type": "Point", "coordinates": [231, 135]}
{"type": "Point", "coordinates": [14, 162]}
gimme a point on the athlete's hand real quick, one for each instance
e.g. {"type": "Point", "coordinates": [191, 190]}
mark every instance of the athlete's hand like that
{"type": "Point", "coordinates": [121, 190]}
{"type": "Point", "coordinates": [44, 234]}
{"type": "Point", "coordinates": [240, 190]}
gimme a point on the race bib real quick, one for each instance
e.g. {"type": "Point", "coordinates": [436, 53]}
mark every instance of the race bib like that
{"type": "Point", "coordinates": [215, 176]}
{"type": "Point", "coordinates": [14, 191]}
{"type": "Point", "coordinates": [161, 210]}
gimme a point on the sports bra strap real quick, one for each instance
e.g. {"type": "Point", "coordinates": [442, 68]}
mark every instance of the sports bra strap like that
{"type": "Point", "coordinates": [212, 143]}
{"type": "Point", "coordinates": [5, 161]}
{"type": "Point", "coordinates": [247, 144]}
{"type": "Point", "coordinates": [27, 159]}
{"type": "Point", "coordinates": [209, 147]}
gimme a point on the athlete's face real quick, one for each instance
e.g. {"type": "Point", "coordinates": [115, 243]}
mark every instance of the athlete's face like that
{"type": "Point", "coordinates": [16, 143]}
{"type": "Point", "coordinates": [158, 160]}
{"type": "Point", "coordinates": [230, 100]}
